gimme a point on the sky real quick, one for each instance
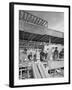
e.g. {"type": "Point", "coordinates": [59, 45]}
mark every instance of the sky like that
{"type": "Point", "coordinates": [55, 19]}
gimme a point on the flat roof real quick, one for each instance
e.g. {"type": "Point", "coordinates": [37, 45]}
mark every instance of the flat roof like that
{"type": "Point", "coordinates": [39, 38]}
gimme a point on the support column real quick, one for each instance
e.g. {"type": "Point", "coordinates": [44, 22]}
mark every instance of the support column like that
{"type": "Point", "coordinates": [49, 40]}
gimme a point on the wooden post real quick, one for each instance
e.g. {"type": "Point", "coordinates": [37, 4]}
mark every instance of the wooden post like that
{"type": "Point", "coordinates": [49, 40]}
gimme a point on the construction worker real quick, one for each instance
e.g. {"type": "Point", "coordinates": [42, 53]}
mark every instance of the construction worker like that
{"type": "Point", "coordinates": [55, 54]}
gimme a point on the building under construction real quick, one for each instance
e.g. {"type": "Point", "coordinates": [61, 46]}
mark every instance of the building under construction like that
{"type": "Point", "coordinates": [34, 38]}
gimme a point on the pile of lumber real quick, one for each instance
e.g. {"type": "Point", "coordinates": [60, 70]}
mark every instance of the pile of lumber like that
{"type": "Point", "coordinates": [39, 70]}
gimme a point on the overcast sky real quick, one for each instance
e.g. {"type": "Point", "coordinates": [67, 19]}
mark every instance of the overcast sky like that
{"type": "Point", "coordinates": [55, 19]}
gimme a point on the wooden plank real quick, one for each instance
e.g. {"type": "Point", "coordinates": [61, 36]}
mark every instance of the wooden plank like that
{"type": "Point", "coordinates": [35, 71]}
{"type": "Point", "coordinates": [40, 70]}
{"type": "Point", "coordinates": [45, 71]}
